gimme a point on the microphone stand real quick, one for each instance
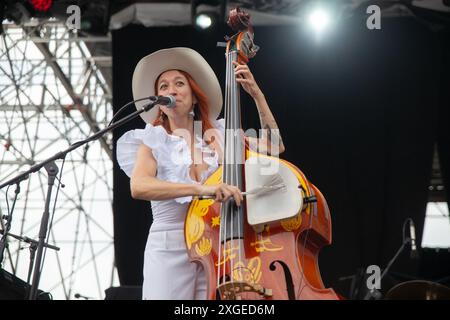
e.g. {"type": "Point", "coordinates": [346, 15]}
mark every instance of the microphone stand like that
{"type": "Point", "coordinates": [33, 247]}
{"type": "Point", "coordinates": [374, 292]}
{"type": "Point", "coordinates": [52, 170]}
{"type": "Point", "coordinates": [7, 226]}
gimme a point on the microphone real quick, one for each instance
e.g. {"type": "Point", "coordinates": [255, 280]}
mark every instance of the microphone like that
{"type": "Point", "coordinates": [412, 233]}
{"type": "Point", "coordinates": [168, 101]}
{"type": "Point", "coordinates": [80, 296]}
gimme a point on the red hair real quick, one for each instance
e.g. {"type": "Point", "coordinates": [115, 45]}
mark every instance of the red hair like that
{"type": "Point", "coordinates": [201, 109]}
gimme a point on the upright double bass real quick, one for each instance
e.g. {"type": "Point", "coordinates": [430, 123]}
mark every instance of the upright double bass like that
{"type": "Point", "coordinates": [268, 247]}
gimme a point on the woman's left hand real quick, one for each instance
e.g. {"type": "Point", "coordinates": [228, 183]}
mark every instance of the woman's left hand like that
{"type": "Point", "coordinates": [246, 79]}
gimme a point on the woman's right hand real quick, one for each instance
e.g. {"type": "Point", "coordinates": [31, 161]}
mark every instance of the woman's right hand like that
{"type": "Point", "coordinates": [222, 192]}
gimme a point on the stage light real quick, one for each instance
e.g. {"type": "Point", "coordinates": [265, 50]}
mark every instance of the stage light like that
{"type": "Point", "coordinates": [21, 12]}
{"type": "Point", "coordinates": [95, 17]}
{"type": "Point", "coordinates": [17, 13]}
{"type": "Point", "coordinates": [41, 5]}
{"type": "Point", "coordinates": [204, 20]}
{"type": "Point", "coordinates": [206, 14]}
{"type": "Point", "coordinates": [319, 20]}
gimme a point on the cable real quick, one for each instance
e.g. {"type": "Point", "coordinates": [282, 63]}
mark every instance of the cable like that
{"type": "Point", "coordinates": [304, 249]}
{"type": "Point", "coordinates": [7, 202]}
{"type": "Point", "coordinates": [7, 226]}
{"type": "Point", "coordinates": [117, 113]}
{"type": "Point", "coordinates": [403, 228]}
{"type": "Point", "coordinates": [121, 109]}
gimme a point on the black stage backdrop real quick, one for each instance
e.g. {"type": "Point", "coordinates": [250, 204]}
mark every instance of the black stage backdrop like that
{"type": "Point", "coordinates": [359, 115]}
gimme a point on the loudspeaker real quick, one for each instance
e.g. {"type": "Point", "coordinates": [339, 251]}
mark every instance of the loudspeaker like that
{"type": "Point", "coordinates": [124, 293]}
{"type": "Point", "coordinates": [13, 288]}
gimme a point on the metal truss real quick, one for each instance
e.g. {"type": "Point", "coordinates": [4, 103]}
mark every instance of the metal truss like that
{"type": "Point", "coordinates": [52, 94]}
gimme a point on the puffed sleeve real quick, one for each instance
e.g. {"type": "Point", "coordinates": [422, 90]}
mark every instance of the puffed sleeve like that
{"type": "Point", "coordinates": [220, 124]}
{"type": "Point", "coordinates": [129, 142]}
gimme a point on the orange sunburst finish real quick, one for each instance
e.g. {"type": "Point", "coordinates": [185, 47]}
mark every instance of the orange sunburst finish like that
{"type": "Point", "coordinates": [280, 241]}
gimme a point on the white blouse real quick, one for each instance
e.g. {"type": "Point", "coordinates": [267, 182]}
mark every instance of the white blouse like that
{"type": "Point", "coordinates": [173, 157]}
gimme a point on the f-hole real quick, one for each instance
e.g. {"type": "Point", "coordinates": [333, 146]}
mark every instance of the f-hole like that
{"type": "Point", "coordinates": [287, 277]}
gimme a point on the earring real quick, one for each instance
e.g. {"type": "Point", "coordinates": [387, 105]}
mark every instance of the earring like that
{"type": "Point", "coordinates": [192, 112]}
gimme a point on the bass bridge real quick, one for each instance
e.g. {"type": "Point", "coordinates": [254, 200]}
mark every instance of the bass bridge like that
{"type": "Point", "coordinates": [231, 290]}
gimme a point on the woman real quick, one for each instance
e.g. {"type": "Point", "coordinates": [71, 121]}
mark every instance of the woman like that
{"type": "Point", "coordinates": [167, 167]}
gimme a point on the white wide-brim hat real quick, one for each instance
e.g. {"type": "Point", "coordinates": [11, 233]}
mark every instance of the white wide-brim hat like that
{"type": "Point", "coordinates": [185, 59]}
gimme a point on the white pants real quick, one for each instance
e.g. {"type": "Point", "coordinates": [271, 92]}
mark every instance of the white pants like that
{"type": "Point", "coordinates": [168, 273]}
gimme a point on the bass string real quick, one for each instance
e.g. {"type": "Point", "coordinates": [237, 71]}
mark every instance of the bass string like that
{"type": "Point", "coordinates": [225, 176]}
{"type": "Point", "coordinates": [222, 225]}
{"type": "Point", "coordinates": [237, 154]}
{"type": "Point", "coordinates": [232, 175]}
{"type": "Point", "coordinates": [238, 157]}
